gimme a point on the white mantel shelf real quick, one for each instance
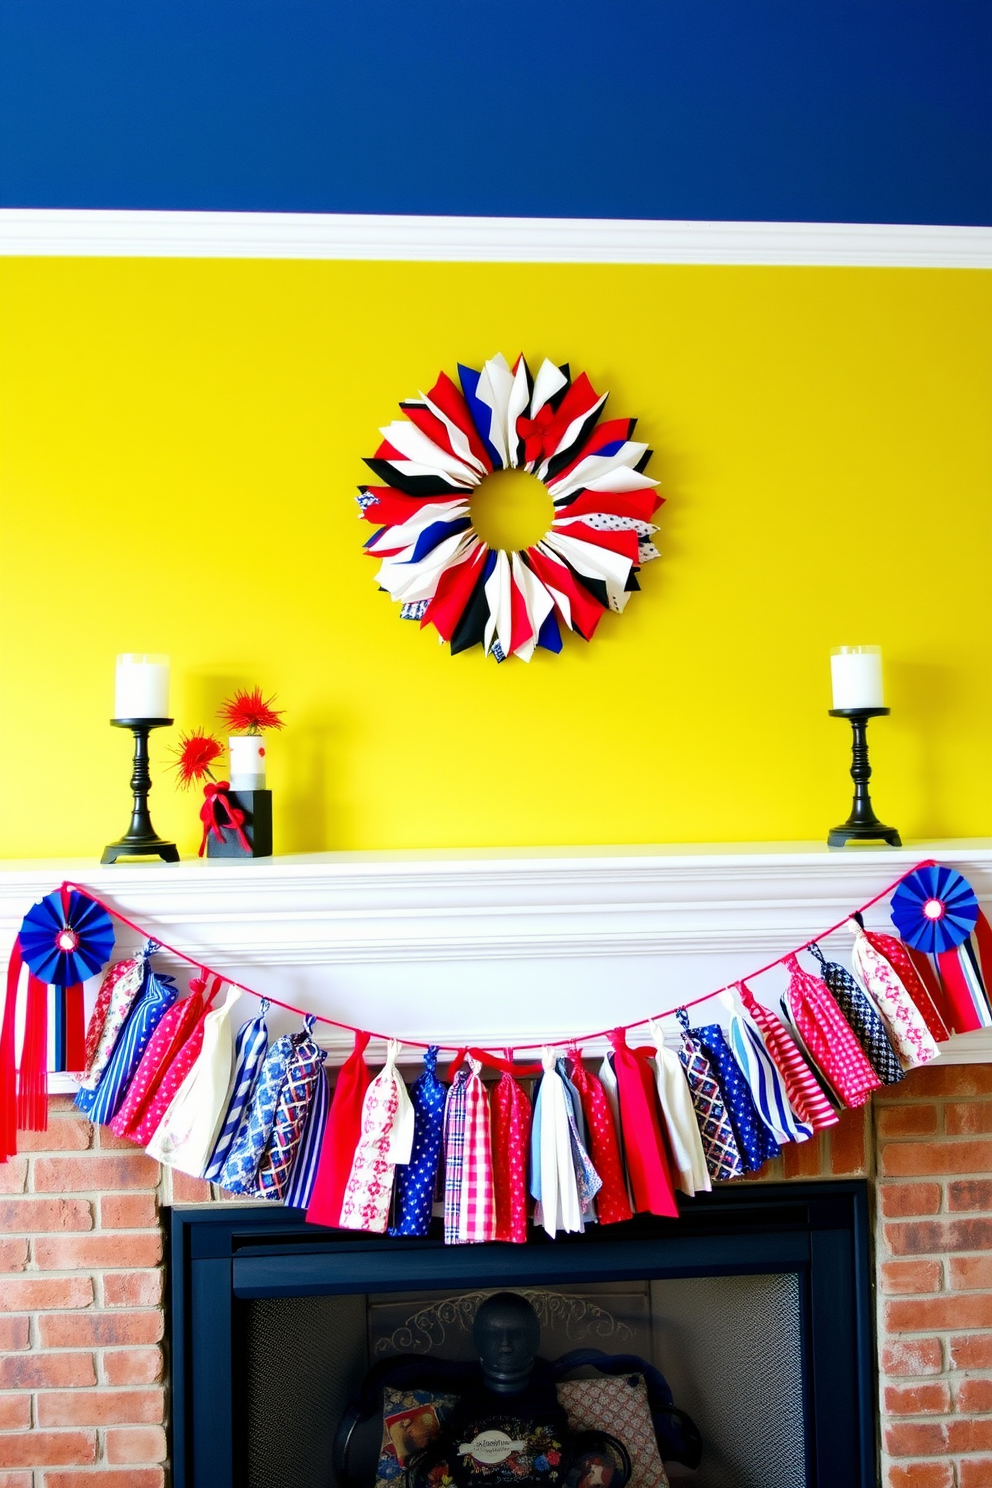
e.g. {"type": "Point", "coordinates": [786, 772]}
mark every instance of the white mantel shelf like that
{"type": "Point", "coordinates": [501, 946]}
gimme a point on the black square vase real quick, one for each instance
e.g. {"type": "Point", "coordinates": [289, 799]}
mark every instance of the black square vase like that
{"type": "Point", "coordinates": [257, 807]}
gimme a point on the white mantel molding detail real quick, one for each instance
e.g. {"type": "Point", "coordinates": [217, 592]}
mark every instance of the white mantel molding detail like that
{"type": "Point", "coordinates": [501, 947]}
{"type": "Point", "coordinates": [43, 232]}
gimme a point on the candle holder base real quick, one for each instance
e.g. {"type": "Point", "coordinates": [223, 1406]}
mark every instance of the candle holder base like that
{"type": "Point", "coordinates": [141, 839]}
{"type": "Point", "coordinates": [862, 825]}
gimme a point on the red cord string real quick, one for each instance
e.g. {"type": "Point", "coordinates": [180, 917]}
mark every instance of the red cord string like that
{"type": "Point", "coordinates": [460, 1049]}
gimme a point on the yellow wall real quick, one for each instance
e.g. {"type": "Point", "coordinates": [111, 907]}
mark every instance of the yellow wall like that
{"type": "Point", "coordinates": [181, 444]}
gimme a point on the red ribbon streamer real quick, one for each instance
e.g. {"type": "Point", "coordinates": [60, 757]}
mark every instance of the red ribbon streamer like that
{"type": "Point", "coordinates": [216, 800]}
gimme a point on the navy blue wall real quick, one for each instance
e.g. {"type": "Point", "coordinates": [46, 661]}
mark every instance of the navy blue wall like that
{"type": "Point", "coordinates": [835, 110]}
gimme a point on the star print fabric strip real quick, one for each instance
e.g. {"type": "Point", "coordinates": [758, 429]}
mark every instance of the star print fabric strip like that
{"type": "Point", "coordinates": [417, 1179]}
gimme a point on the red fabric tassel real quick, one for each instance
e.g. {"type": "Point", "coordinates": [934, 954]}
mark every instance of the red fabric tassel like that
{"type": "Point", "coordinates": [32, 1084]}
{"type": "Point", "coordinates": [511, 1118]}
{"type": "Point", "coordinates": [647, 1161]}
{"type": "Point", "coordinates": [964, 1017]}
{"type": "Point", "coordinates": [929, 978]}
{"type": "Point", "coordinates": [341, 1134]}
{"type": "Point", "coordinates": [8, 1059]}
{"type": "Point", "coordinates": [75, 1029]}
{"type": "Point", "coordinates": [612, 1203]}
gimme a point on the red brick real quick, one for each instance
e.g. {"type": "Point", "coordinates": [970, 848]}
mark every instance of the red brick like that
{"type": "Point", "coordinates": [915, 1159]}
{"type": "Point", "coordinates": [907, 1121]}
{"type": "Point", "coordinates": [13, 1175]}
{"type": "Point", "coordinates": [916, 1356]}
{"type": "Point", "coordinates": [188, 1190]}
{"type": "Point", "coordinates": [931, 1399]}
{"type": "Point", "coordinates": [106, 1477]}
{"type": "Point", "coordinates": [34, 1216]}
{"type": "Point", "coordinates": [802, 1159]}
{"type": "Point", "coordinates": [972, 1352]}
{"type": "Point", "coordinates": [901, 1200]}
{"type": "Point", "coordinates": [973, 1396]}
{"type": "Point", "coordinates": [969, 1193]}
{"type": "Point", "coordinates": [915, 1439]}
{"type": "Point", "coordinates": [15, 1333]}
{"type": "Point", "coordinates": [100, 1329]}
{"type": "Point", "coordinates": [939, 1314]}
{"type": "Point", "coordinates": [15, 1412]}
{"type": "Point", "coordinates": [128, 1211]}
{"type": "Point", "coordinates": [67, 1134]}
{"type": "Point", "coordinates": [921, 1475]}
{"type": "Point", "coordinates": [963, 1080]}
{"type": "Point", "coordinates": [108, 1141]}
{"type": "Point", "coordinates": [16, 1479]}
{"type": "Point", "coordinates": [132, 1289]}
{"type": "Point", "coordinates": [49, 1448]}
{"type": "Point", "coordinates": [35, 1371]}
{"type": "Point", "coordinates": [846, 1142]}
{"type": "Point", "coordinates": [29, 1295]}
{"type": "Point", "coordinates": [967, 1118]}
{"type": "Point", "coordinates": [135, 1366]}
{"type": "Point", "coordinates": [969, 1436]}
{"type": "Point", "coordinates": [975, 1472]}
{"type": "Point", "coordinates": [13, 1255]}
{"type": "Point", "coordinates": [123, 1170]}
{"type": "Point", "coordinates": [141, 1444]}
{"type": "Point", "coordinates": [79, 1252]}
{"type": "Point", "coordinates": [970, 1273]}
{"type": "Point", "coordinates": [100, 1407]}
{"type": "Point", "coordinates": [935, 1236]}
{"type": "Point", "coordinates": [911, 1276]}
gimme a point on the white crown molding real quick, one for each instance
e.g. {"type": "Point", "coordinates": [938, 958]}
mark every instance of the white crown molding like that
{"type": "Point", "coordinates": [499, 947]}
{"type": "Point", "coordinates": [44, 232]}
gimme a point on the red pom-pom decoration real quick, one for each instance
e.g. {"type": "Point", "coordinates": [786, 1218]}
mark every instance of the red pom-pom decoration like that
{"type": "Point", "coordinates": [250, 713]}
{"type": "Point", "coordinates": [195, 755]}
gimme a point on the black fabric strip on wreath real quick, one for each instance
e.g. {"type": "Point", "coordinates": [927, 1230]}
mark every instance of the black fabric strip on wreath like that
{"type": "Point", "coordinates": [555, 401]}
{"type": "Point", "coordinates": [558, 462]}
{"type": "Point", "coordinates": [471, 628]}
{"type": "Point", "coordinates": [642, 463]}
{"type": "Point", "coordinates": [632, 586]}
{"type": "Point", "coordinates": [415, 485]}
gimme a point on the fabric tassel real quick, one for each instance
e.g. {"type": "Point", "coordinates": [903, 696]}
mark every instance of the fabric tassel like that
{"type": "Point", "coordinates": [75, 1028]}
{"type": "Point", "coordinates": [964, 973]}
{"type": "Point", "coordinates": [249, 1053]}
{"type": "Point", "coordinates": [341, 1134]}
{"type": "Point", "coordinates": [755, 1141]}
{"type": "Point", "coordinates": [388, 1123]}
{"type": "Point", "coordinates": [134, 1119]}
{"type": "Point", "coordinates": [240, 1170]}
{"type": "Point", "coordinates": [151, 1007]}
{"type": "Point", "coordinates": [299, 1189]}
{"type": "Point", "coordinates": [829, 1037]}
{"type": "Point", "coordinates": [127, 979]}
{"type": "Point", "coordinates": [914, 1042]}
{"type": "Point", "coordinates": [477, 1207]}
{"type": "Point", "coordinates": [186, 1135]}
{"type": "Point", "coordinates": [179, 1066]}
{"type": "Point", "coordinates": [927, 974]}
{"type": "Point", "coordinates": [723, 1158]}
{"type": "Point", "coordinates": [304, 1071]}
{"type": "Point", "coordinates": [860, 1012]}
{"type": "Point", "coordinates": [416, 1180]}
{"type": "Point", "coordinates": [558, 1204]}
{"type": "Point", "coordinates": [767, 1086]}
{"type": "Point", "coordinates": [612, 1201]}
{"type": "Point", "coordinates": [32, 1083]}
{"type": "Point", "coordinates": [647, 1160]}
{"type": "Point", "coordinates": [611, 1090]}
{"type": "Point", "coordinates": [8, 1058]}
{"type": "Point", "coordinates": [512, 1117]}
{"type": "Point", "coordinates": [679, 1117]}
{"type": "Point", "coordinates": [805, 1096]}
{"type": "Point", "coordinates": [587, 1180]}
{"type": "Point", "coordinates": [454, 1154]}
{"type": "Point", "coordinates": [898, 958]}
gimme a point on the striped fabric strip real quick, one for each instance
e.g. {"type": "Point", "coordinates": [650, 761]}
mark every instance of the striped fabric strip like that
{"type": "Point", "coordinates": [124, 993]}
{"type": "Point", "coordinates": [755, 1141]}
{"type": "Point", "coordinates": [300, 1185]}
{"type": "Point", "coordinates": [238, 1173]}
{"type": "Point", "coordinates": [249, 1052]}
{"type": "Point", "coordinates": [159, 995]}
{"type": "Point", "coordinates": [477, 1209]}
{"type": "Point", "coordinates": [767, 1085]}
{"type": "Point", "coordinates": [805, 1096]}
{"type": "Point", "coordinates": [454, 1149]}
{"type": "Point", "coordinates": [303, 1072]}
{"type": "Point", "coordinates": [861, 1013]}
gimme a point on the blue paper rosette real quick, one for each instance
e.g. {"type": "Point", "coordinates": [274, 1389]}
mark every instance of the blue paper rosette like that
{"type": "Point", "coordinates": [65, 945]}
{"type": "Point", "coordinates": [934, 909]}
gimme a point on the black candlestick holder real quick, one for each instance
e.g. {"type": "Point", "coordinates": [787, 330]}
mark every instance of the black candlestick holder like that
{"type": "Point", "coordinates": [141, 839]}
{"type": "Point", "coordinates": [862, 825]}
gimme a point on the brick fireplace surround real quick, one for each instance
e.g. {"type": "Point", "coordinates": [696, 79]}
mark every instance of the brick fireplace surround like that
{"type": "Point", "coordinates": [82, 1398]}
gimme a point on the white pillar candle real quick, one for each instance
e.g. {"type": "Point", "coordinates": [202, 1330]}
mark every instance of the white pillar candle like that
{"type": "Point", "coordinates": [856, 674]}
{"type": "Point", "coordinates": [142, 689]}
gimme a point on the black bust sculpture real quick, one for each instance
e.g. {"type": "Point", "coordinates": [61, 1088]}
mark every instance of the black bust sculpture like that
{"type": "Point", "coordinates": [506, 1335]}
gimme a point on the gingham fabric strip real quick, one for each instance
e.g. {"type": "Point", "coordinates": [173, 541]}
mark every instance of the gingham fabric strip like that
{"type": "Point", "coordinates": [454, 1154]}
{"type": "Point", "coordinates": [249, 1052]}
{"type": "Point", "coordinates": [477, 1208]}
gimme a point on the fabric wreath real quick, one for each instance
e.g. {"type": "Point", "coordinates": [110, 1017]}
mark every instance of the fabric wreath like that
{"type": "Point", "coordinates": [934, 909]}
{"type": "Point", "coordinates": [435, 564]}
{"type": "Point", "coordinates": [65, 939]}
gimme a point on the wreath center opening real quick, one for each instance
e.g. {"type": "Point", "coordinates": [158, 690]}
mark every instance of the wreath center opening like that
{"type": "Point", "coordinates": [511, 509]}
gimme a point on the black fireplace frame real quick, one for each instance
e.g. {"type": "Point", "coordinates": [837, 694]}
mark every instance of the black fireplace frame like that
{"type": "Point", "coordinates": [821, 1231]}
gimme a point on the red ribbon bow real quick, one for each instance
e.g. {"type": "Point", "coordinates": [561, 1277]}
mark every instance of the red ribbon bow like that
{"type": "Point", "coordinates": [216, 802]}
{"type": "Point", "coordinates": [534, 433]}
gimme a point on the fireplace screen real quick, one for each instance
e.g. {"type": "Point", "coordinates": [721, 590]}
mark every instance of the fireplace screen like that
{"type": "Point", "coordinates": [729, 1346]}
